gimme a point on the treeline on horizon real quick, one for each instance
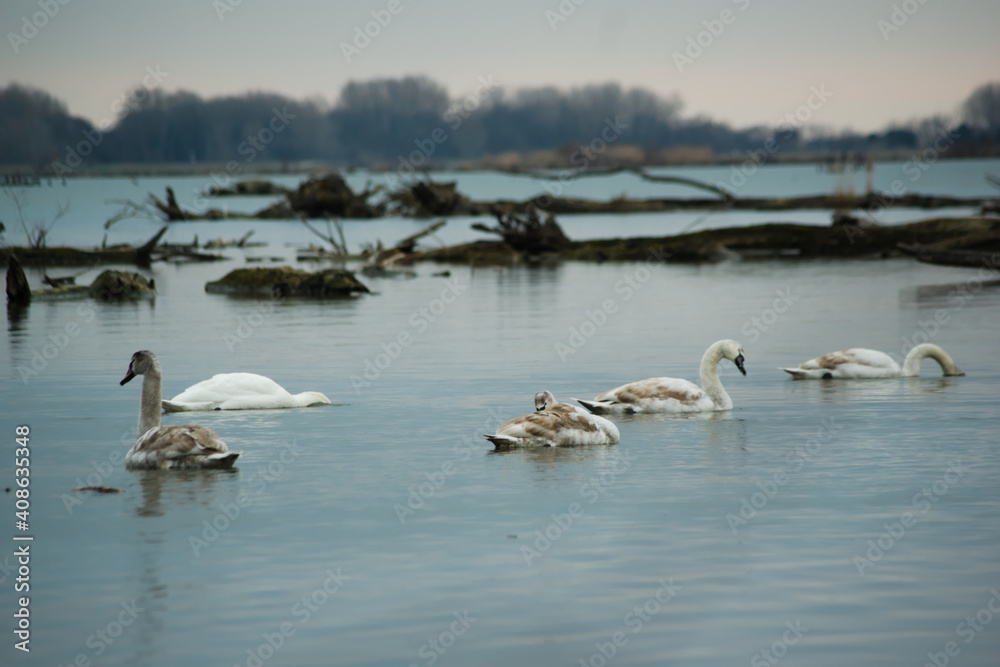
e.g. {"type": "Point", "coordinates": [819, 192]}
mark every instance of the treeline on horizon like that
{"type": "Point", "coordinates": [413, 120]}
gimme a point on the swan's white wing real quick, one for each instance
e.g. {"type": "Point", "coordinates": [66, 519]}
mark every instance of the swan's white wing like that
{"type": "Point", "coordinates": [655, 395]}
{"type": "Point", "coordinates": [240, 391]}
{"type": "Point", "coordinates": [556, 428]}
{"type": "Point", "coordinates": [855, 362]}
{"type": "Point", "coordinates": [225, 386]}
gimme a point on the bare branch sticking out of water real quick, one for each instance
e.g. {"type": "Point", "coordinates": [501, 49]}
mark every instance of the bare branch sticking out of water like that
{"type": "Point", "coordinates": [639, 171]}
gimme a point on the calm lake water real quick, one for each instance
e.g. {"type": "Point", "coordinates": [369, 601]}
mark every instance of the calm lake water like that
{"type": "Point", "coordinates": [817, 523]}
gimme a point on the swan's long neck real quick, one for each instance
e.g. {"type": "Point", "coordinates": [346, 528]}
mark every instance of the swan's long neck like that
{"type": "Point", "coordinates": [911, 366]}
{"type": "Point", "coordinates": [149, 409]}
{"type": "Point", "coordinates": [710, 378]}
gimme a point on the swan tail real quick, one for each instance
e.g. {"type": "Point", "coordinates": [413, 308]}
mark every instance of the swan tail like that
{"type": "Point", "coordinates": [222, 460]}
{"type": "Point", "coordinates": [596, 407]}
{"type": "Point", "coordinates": [501, 441]}
{"type": "Point", "coordinates": [797, 373]}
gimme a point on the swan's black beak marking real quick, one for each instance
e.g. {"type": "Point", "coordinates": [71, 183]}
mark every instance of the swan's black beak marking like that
{"type": "Point", "coordinates": [739, 364]}
{"type": "Point", "coordinates": [128, 376]}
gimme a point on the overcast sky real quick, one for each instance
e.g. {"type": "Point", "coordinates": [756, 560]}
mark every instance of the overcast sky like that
{"type": "Point", "coordinates": [878, 64]}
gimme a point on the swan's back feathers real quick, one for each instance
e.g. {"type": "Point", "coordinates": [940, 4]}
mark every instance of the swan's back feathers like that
{"type": "Point", "coordinates": [187, 446]}
{"type": "Point", "coordinates": [240, 391]}
{"type": "Point", "coordinates": [855, 362]}
{"type": "Point", "coordinates": [565, 425]}
{"type": "Point", "coordinates": [661, 394]}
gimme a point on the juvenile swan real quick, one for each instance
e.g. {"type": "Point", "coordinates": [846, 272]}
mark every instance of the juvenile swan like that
{"type": "Point", "coordinates": [170, 447]}
{"type": "Point", "coordinates": [240, 391]}
{"type": "Point", "coordinates": [672, 394]}
{"type": "Point", "coordinates": [862, 363]}
{"type": "Point", "coordinates": [555, 425]}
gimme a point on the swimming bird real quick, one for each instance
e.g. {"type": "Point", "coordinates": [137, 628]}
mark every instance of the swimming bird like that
{"type": "Point", "coordinates": [862, 363]}
{"type": "Point", "coordinates": [555, 424]}
{"type": "Point", "coordinates": [240, 391]}
{"type": "Point", "coordinates": [172, 447]}
{"type": "Point", "coordinates": [665, 394]}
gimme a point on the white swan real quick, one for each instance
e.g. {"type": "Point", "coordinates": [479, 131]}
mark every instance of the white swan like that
{"type": "Point", "coordinates": [555, 424]}
{"type": "Point", "coordinates": [240, 391]}
{"type": "Point", "coordinates": [862, 363]}
{"type": "Point", "coordinates": [671, 394]}
{"type": "Point", "coordinates": [169, 446]}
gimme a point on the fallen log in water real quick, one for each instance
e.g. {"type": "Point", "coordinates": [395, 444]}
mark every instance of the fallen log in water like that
{"type": "Point", "coordinates": [63, 256]}
{"type": "Point", "coordinates": [948, 257]}
{"type": "Point", "coordinates": [766, 240]}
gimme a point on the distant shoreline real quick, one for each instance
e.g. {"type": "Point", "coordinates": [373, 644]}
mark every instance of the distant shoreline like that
{"type": "Point", "coordinates": [857, 161]}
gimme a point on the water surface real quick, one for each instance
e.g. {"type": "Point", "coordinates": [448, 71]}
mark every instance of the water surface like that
{"type": "Point", "coordinates": [384, 530]}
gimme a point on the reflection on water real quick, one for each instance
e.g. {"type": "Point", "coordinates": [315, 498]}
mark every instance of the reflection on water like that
{"type": "Point", "coordinates": [953, 294]}
{"type": "Point", "coordinates": [838, 390]}
{"type": "Point", "coordinates": [177, 489]}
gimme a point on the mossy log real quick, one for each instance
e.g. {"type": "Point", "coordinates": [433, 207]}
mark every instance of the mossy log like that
{"type": "Point", "coordinates": [766, 240]}
{"type": "Point", "coordinates": [111, 286]}
{"type": "Point", "coordinates": [285, 281]}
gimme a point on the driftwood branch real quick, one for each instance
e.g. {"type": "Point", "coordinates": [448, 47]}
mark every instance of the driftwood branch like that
{"type": "Point", "coordinates": [339, 247]}
{"type": "Point", "coordinates": [170, 208]}
{"type": "Point", "coordinates": [144, 253]}
{"type": "Point", "coordinates": [639, 171]}
{"type": "Point", "coordinates": [384, 257]}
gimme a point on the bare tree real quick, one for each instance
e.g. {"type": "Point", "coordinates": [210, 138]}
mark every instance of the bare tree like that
{"type": "Point", "coordinates": [36, 231]}
{"type": "Point", "coordinates": [982, 107]}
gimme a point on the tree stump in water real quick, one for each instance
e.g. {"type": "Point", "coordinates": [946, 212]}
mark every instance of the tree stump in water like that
{"type": "Point", "coordinates": [18, 291]}
{"type": "Point", "coordinates": [527, 234]}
